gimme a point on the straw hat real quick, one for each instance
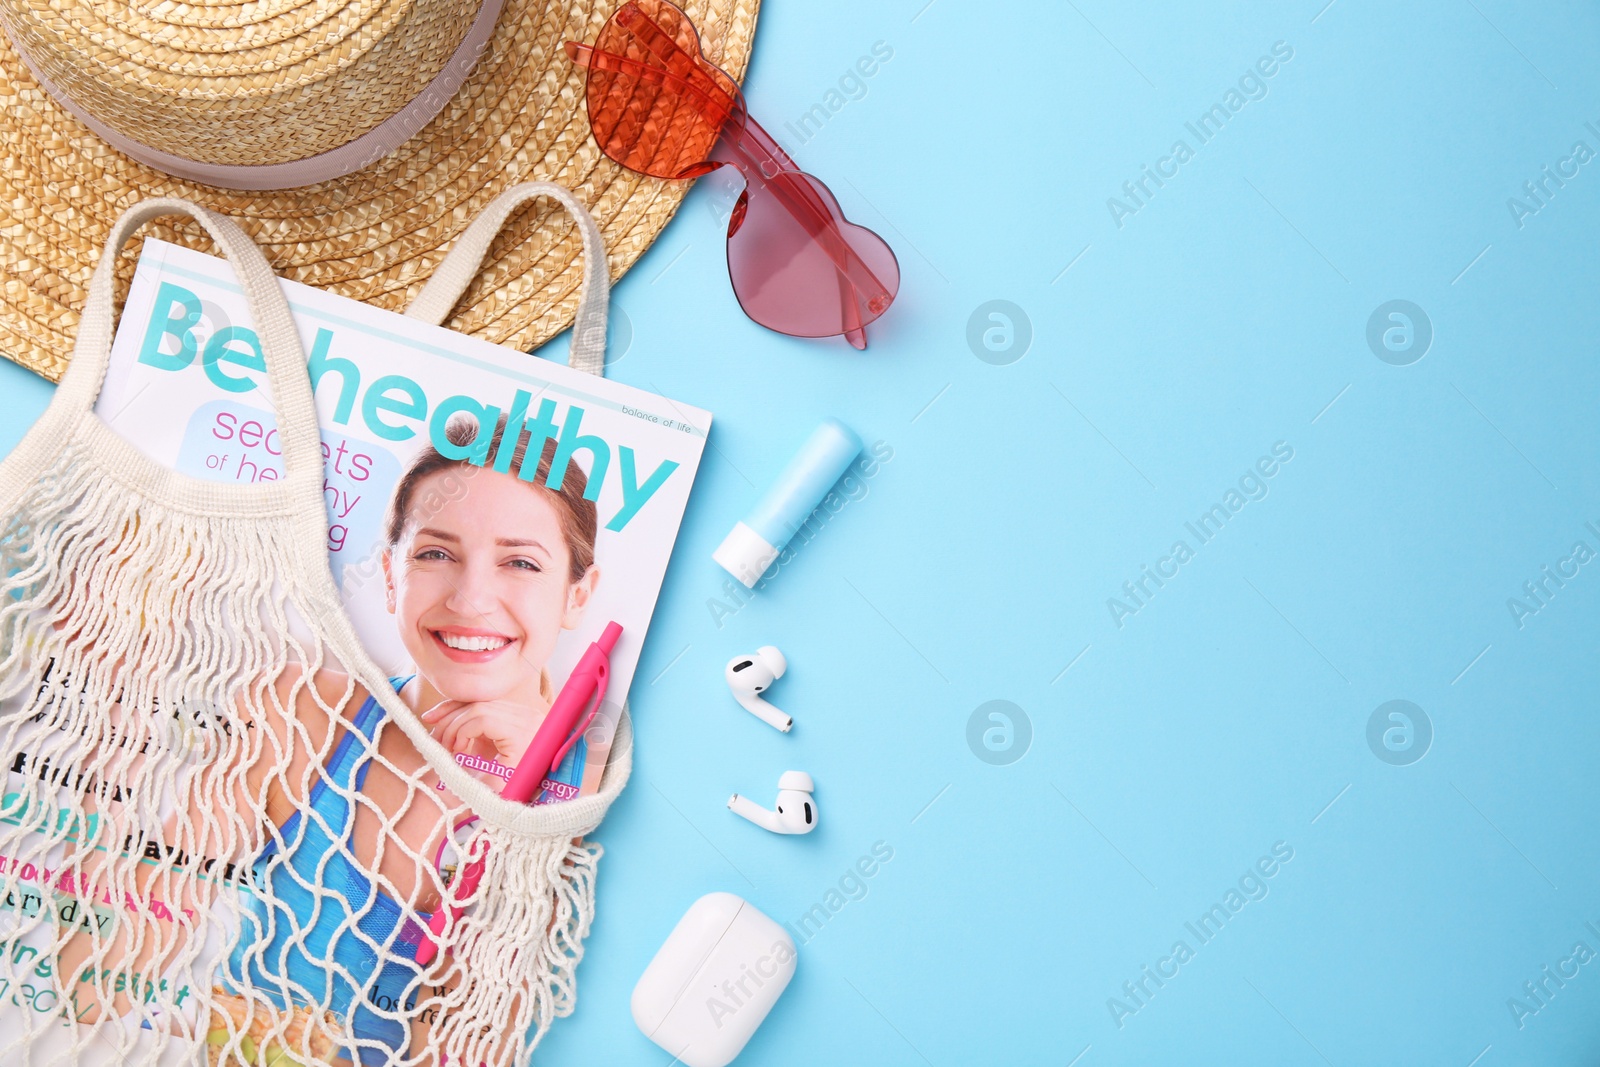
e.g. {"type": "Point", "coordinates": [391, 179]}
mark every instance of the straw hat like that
{"type": "Point", "coordinates": [407, 115]}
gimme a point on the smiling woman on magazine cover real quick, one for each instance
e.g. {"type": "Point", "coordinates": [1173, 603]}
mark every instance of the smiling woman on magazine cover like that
{"type": "Point", "coordinates": [483, 572]}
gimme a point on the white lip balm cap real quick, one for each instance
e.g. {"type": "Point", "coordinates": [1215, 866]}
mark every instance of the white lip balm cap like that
{"type": "Point", "coordinates": [745, 554]}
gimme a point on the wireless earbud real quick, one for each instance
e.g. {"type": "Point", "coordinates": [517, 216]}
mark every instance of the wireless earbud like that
{"type": "Point", "coordinates": [797, 812]}
{"type": "Point", "coordinates": [749, 676]}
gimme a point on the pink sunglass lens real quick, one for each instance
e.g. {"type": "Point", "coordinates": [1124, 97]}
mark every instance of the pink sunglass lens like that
{"type": "Point", "coordinates": [799, 267]}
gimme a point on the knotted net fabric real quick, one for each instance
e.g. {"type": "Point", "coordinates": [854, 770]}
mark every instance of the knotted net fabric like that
{"type": "Point", "coordinates": [222, 833]}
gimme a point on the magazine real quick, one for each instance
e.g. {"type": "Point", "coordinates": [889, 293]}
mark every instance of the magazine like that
{"type": "Point", "coordinates": [186, 386]}
{"type": "Point", "coordinates": [488, 513]}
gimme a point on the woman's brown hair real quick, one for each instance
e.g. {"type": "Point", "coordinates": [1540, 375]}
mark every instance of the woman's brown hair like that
{"type": "Point", "coordinates": [577, 515]}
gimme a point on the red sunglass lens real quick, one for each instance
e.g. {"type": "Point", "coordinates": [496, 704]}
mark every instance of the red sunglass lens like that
{"type": "Point", "coordinates": [799, 267]}
{"type": "Point", "coordinates": [653, 113]}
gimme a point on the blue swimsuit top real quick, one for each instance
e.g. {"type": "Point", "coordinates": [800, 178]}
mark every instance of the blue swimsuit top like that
{"type": "Point", "coordinates": [328, 958]}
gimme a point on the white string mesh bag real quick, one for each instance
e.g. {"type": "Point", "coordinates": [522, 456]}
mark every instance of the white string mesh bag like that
{"type": "Point", "coordinates": [219, 833]}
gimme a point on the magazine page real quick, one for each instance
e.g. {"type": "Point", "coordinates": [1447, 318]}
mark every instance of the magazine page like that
{"type": "Point", "coordinates": [488, 514]}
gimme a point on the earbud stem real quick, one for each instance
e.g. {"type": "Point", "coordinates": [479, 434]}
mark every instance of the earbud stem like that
{"type": "Point", "coordinates": [749, 809]}
{"type": "Point", "coordinates": [767, 713]}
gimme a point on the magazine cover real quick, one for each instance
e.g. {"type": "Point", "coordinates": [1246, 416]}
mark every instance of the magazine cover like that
{"type": "Point", "coordinates": [400, 406]}
{"type": "Point", "coordinates": [488, 514]}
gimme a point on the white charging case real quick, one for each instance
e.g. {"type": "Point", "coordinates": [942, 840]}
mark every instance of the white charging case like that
{"type": "Point", "coordinates": [713, 981]}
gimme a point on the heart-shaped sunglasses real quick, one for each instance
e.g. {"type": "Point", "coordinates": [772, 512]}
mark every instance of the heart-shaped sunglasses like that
{"type": "Point", "coordinates": [658, 107]}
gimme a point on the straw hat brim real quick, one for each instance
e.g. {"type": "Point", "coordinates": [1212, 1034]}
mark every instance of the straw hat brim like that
{"type": "Point", "coordinates": [375, 235]}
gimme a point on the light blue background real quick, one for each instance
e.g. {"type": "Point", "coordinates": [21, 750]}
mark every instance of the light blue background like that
{"type": "Point", "coordinates": [1230, 713]}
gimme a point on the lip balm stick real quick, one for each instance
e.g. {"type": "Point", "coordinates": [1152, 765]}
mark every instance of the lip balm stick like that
{"type": "Point", "coordinates": [754, 543]}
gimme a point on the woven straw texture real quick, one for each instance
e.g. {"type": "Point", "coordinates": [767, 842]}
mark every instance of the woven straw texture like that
{"type": "Point", "coordinates": [289, 83]}
{"type": "Point", "coordinates": [375, 235]}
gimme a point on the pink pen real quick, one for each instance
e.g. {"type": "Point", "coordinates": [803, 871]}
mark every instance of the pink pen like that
{"type": "Point", "coordinates": [585, 689]}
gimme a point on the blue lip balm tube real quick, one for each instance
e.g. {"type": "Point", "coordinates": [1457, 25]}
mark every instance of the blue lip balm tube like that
{"type": "Point", "coordinates": [754, 544]}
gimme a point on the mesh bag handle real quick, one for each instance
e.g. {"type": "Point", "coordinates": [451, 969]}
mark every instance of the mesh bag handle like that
{"type": "Point", "coordinates": [269, 310]}
{"type": "Point", "coordinates": [461, 265]}
{"type": "Point", "coordinates": [433, 304]}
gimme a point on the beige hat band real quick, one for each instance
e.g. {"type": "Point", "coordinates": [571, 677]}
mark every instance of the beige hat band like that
{"type": "Point", "coordinates": [347, 158]}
